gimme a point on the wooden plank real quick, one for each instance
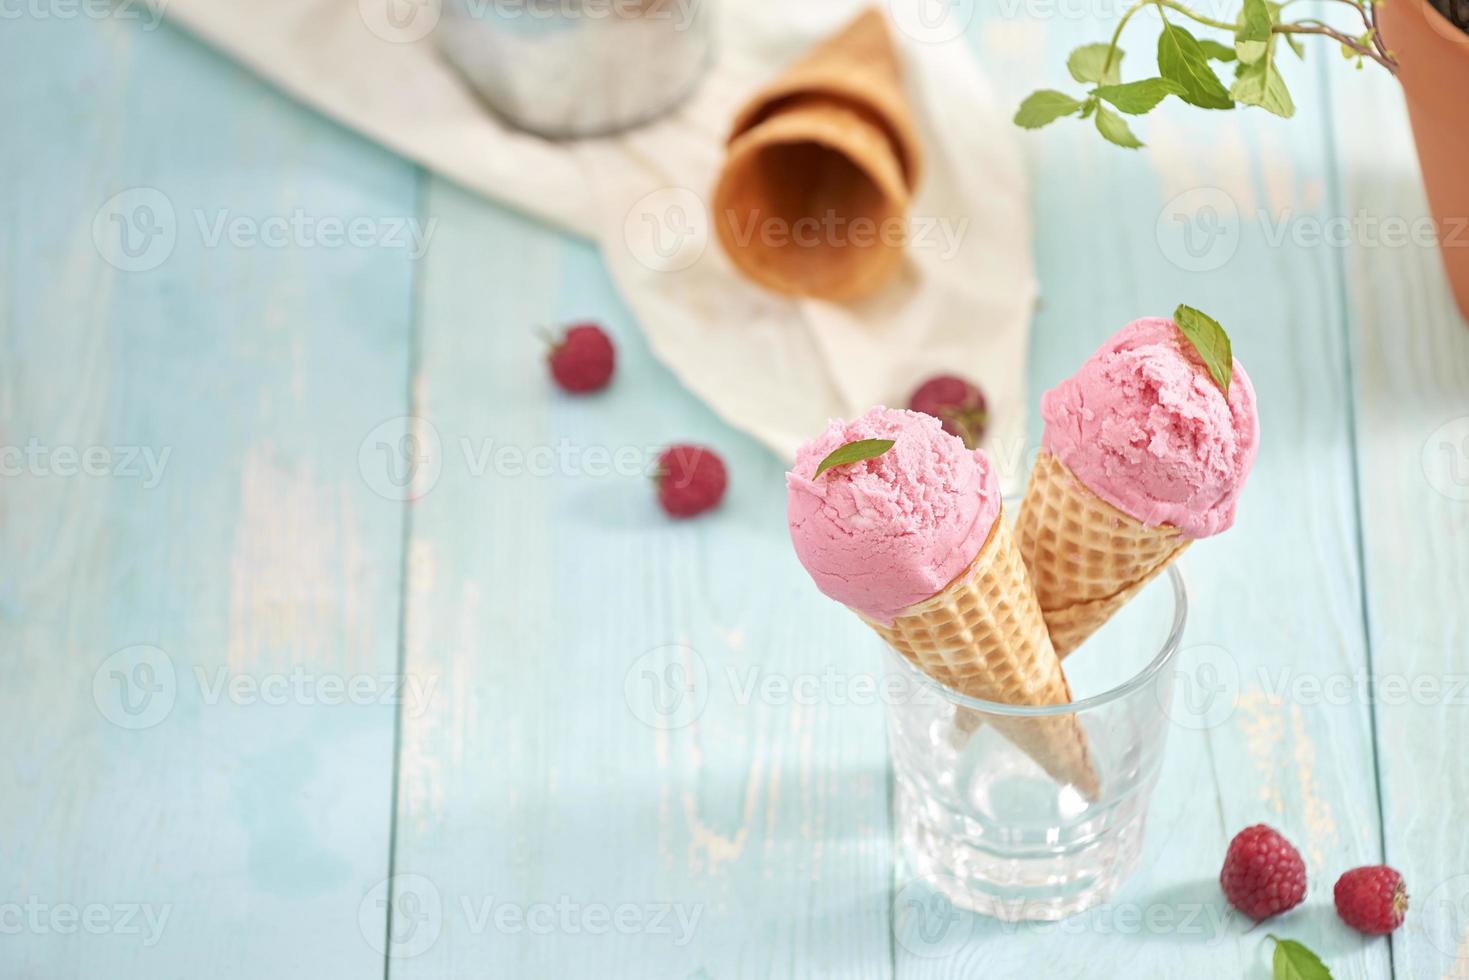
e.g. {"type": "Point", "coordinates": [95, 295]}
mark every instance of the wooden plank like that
{"type": "Point", "coordinates": [1276, 599]}
{"type": "Point", "coordinates": [742, 831]}
{"type": "Point", "coordinates": [225, 814]}
{"type": "Point", "coordinates": [1412, 417]}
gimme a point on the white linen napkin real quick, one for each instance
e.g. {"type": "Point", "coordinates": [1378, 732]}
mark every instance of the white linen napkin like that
{"type": "Point", "coordinates": [775, 367]}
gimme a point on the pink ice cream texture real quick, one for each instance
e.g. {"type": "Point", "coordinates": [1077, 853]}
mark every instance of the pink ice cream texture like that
{"type": "Point", "coordinates": [1145, 427]}
{"type": "Point", "coordinates": [883, 534]}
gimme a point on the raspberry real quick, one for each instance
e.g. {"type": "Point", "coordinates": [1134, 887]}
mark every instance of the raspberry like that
{"type": "Point", "coordinates": [582, 360]}
{"type": "Point", "coordinates": [1263, 874]}
{"type": "Point", "coordinates": [956, 403]}
{"type": "Point", "coordinates": [1371, 899]}
{"type": "Point", "coordinates": [691, 480]}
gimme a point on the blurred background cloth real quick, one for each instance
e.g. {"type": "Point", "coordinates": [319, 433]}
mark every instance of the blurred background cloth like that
{"type": "Point", "coordinates": [775, 367]}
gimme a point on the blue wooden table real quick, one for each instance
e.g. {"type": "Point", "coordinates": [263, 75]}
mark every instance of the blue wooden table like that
{"type": "Point", "coordinates": [277, 706]}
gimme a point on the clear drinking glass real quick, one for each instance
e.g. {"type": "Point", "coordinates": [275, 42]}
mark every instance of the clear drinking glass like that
{"type": "Point", "coordinates": [980, 822]}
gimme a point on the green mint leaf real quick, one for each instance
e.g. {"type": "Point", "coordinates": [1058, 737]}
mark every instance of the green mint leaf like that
{"type": "Point", "coordinates": [1293, 961]}
{"type": "Point", "coordinates": [1252, 40]}
{"type": "Point", "coordinates": [1090, 107]}
{"type": "Point", "coordinates": [1045, 107]}
{"type": "Point", "coordinates": [1296, 46]}
{"type": "Point", "coordinates": [1210, 340]}
{"type": "Point", "coordinates": [1262, 85]}
{"type": "Point", "coordinates": [854, 452]}
{"type": "Point", "coordinates": [1182, 60]}
{"type": "Point", "coordinates": [1114, 128]}
{"type": "Point", "coordinates": [1215, 51]}
{"type": "Point", "coordinates": [1085, 64]}
{"type": "Point", "coordinates": [1137, 98]}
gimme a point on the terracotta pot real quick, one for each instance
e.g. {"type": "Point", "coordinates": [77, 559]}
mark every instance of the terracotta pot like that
{"type": "Point", "coordinates": [1433, 56]}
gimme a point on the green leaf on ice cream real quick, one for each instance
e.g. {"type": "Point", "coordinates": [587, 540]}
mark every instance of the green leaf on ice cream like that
{"type": "Point", "coordinates": [1210, 340]}
{"type": "Point", "coordinates": [854, 452]}
{"type": "Point", "coordinates": [1293, 961]}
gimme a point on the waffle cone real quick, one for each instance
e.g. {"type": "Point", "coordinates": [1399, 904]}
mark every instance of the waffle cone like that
{"type": "Point", "coordinates": [833, 141]}
{"type": "Point", "coordinates": [1086, 558]}
{"type": "Point", "coordinates": [984, 636]}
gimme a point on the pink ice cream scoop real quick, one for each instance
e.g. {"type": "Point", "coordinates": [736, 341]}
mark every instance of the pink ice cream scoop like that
{"type": "Point", "coordinates": [1145, 427]}
{"type": "Point", "coordinates": [883, 534]}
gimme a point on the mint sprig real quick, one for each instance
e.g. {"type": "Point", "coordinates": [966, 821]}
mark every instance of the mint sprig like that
{"type": "Point", "coordinates": [1186, 65]}
{"type": "Point", "coordinates": [1293, 961]}
{"type": "Point", "coordinates": [1210, 340]}
{"type": "Point", "coordinates": [853, 452]}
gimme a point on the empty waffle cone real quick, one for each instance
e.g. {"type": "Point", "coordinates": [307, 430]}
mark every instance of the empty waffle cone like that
{"type": "Point", "coordinates": [813, 198]}
{"type": "Point", "coordinates": [984, 636]}
{"type": "Point", "coordinates": [1086, 558]}
{"type": "Point", "coordinates": [859, 66]}
{"type": "Point", "coordinates": [812, 202]}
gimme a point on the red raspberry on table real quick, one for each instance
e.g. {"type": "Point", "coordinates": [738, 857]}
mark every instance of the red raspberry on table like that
{"type": "Point", "coordinates": [691, 480]}
{"type": "Point", "coordinates": [956, 403]}
{"type": "Point", "coordinates": [1371, 899]}
{"type": "Point", "coordinates": [582, 360]}
{"type": "Point", "coordinates": [1263, 874]}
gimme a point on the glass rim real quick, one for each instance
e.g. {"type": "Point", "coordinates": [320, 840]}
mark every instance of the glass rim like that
{"type": "Point", "coordinates": [1123, 690]}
